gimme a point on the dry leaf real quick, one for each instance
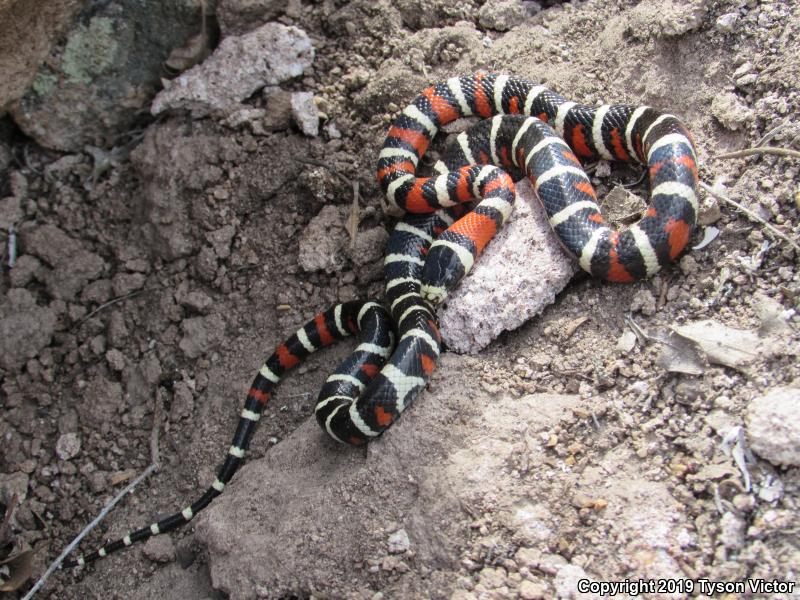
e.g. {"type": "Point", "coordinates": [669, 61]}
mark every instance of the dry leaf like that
{"type": "Point", "coordinates": [680, 355]}
{"type": "Point", "coordinates": [121, 476]}
{"type": "Point", "coordinates": [194, 51]}
{"type": "Point", "coordinates": [20, 568]}
{"type": "Point", "coordinates": [570, 327]}
{"type": "Point", "coordinates": [725, 345]}
{"type": "Point", "coordinates": [354, 218]}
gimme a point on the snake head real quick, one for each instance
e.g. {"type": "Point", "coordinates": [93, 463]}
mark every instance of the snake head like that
{"type": "Point", "coordinates": [442, 272]}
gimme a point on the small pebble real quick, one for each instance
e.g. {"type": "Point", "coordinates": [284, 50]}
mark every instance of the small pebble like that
{"type": "Point", "coordinates": [68, 446]}
{"type": "Point", "coordinates": [399, 542]}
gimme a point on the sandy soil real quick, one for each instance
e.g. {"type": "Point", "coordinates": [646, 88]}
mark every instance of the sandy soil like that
{"type": "Point", "coordinates": [555, 454]}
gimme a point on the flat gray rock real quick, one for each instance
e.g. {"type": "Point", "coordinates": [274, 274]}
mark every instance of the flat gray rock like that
{"type": "Point", "coordinates": [240, 66]}
{"type": "Point", "coordinates": [312, 507]}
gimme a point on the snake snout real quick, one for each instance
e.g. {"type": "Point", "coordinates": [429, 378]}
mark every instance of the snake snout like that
{"type": "Point", "coordinates": [442, 272]}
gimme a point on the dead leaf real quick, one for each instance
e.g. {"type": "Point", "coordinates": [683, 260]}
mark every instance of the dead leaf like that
{"type": "Point", "coordinates": [570, 327]}
{"type": "Point", "coordinates": [121, 476]}
{"type": "Point", "coordinates": [709, 235]}
{"type": "Point", "coordinates": [5, 526]}
{"type": "Point", "coordinates": [725, 345]}
{"type": "Point", "coordinates": [680, 355]}
{"type": "Point", "coordinates": [194, 51]}
{"type": "Point", "coordinates": [20, 567]}
{"type": "Point", "coordinates": [714, 472]}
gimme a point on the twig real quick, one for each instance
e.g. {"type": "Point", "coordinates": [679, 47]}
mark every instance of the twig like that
{"type": "Point", "coordinates": [106, 509]}
{"type": "Point", "coordinates": [155, 457]}
{"type": "Point", "coordinates": [12, 246]}
{"type": "Point", "coordinates": [111, 303]}
{"type": "Point", "coordinates": [761, 150]}
{"type": "Point", "coordinates": [640, 333]}
{"type": "Point", "coordinates": [353, 219]}
{"type": "Point", "coordinates": [774, 230]}
{"type": "Point", "coordinates": [773, 132]}
{"type": "Point", "coordinates": [153, 466]}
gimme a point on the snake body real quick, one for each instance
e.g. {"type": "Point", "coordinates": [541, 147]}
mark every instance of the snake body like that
{"type": "Point", "coordinates": [551, 158]}
{"type": "Point", "coordinates": [527, 129]}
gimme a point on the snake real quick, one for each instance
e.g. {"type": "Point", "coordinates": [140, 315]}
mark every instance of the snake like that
{"type": "Point", "coordinates": [526, 130]}
{"type": "Point", "coordinates": [547, 148]}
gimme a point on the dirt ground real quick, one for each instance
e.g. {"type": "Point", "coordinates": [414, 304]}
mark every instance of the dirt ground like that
{"type": "Point", "coordinates": [564, 450]}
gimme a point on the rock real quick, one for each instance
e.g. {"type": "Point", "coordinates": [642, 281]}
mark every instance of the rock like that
{"type": "Point", "coordinates": [566, 582]}
{"type": "Point", "coordinates": [501, 15]}
{"type": "Point", "coordinates": [159, 549]}
{"type": "Point", "coordinates": [298, 548]}
{"type": "Point", "coordinates": [518, 275]}
{"type": "Point", "coordinates": [72, 265]}
{"type": "Point", "coordinates": [379, 20]}
{"type": "Point", "coordinates": [399, 542]}
{"type": "Point", "coordinates": [279, 109]}
{"type": "Point", "coordinates": [773, 426]}
{"type": "Point", "coordinates": [773, 316]}
{"type": "Point", "coordinates": [530, 590]}
{"type": "Point", "coordinates": [125, 283]}
{"type": "Point", "coordinates": [332, 130]}
{"type": "Point", "coordinates": [182, 402]}
{"type": "Point", "coordinates": [95, 85]}
{"type": "Point", "coordinates": [200, 334]}
{"type": "Point", "coordinates": [667, 18]}
{"type": "Point", "coordinates": [25, 269]}
{"type": "Point", "coordinates": [5, 156]}
{"type": "Point", "coordinates": [221, 239]}
{"type": "Point", "coordinates": [173, 166]}
{"type": "Point", "coordinates": [25, 328]}
{"type": "Point", "coordinates": [323, 242]}
{"type": "Point", "coordinates": [253, 118]}
{"type": "Point", "coordinates": [239, 66]}
{"type": "Point", "coordinates": [731, 531]}
{"type": "Point", "coordinates": [492, 579]}
{"type": "Point", "coordinates": [10, 211]}
{"type": "Point", "coordinates": [98, 291]}
{"type": "Point", "coordinates": [644, 302]}
{"type": "Point", "coordinates": [688, 264]}
{"type": "Point", "coordinates": [305, 113]}
{"type": "Point", "coordinates": [428, 14]}
{"type": "Point", "coordinates": [68, 446]}
{"type": "Point", "coordinates": [103, 400]}
{"type": "Point", "coordinates": [98, 481]}
{"type": "Point", "coordinates": [369, 246]}
{"type": "Point", "coordinates": [236, 17]}
{"type": "Point", "coordinates": [14, 483]}
{"type": "Point", "coordinates": [731, 112]}
{"type": "Point", "coordinates": [626, 342]}
{"type": "Point", "coordinates": [34, 27]}
{"type": "Point", "coordinates": [727, 23]}
{"type": "Point", "coordinates": [197, 301]}
{"type": "Point", "coordinates": [206, 264]}
{"type": "Point", "coordinates": [116, 359]}
{"type": "Point", "coordinates": [141, 379]}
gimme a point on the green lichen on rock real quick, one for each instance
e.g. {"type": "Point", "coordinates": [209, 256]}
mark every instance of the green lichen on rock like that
{"type": "Point", "coordinates": [44, 83]}
{"type": "Point", "coordinates": [90, 50]}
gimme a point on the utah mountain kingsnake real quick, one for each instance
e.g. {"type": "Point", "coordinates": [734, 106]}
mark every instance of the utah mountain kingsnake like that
{"type": "Point", "coordinates": [373, 386]}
